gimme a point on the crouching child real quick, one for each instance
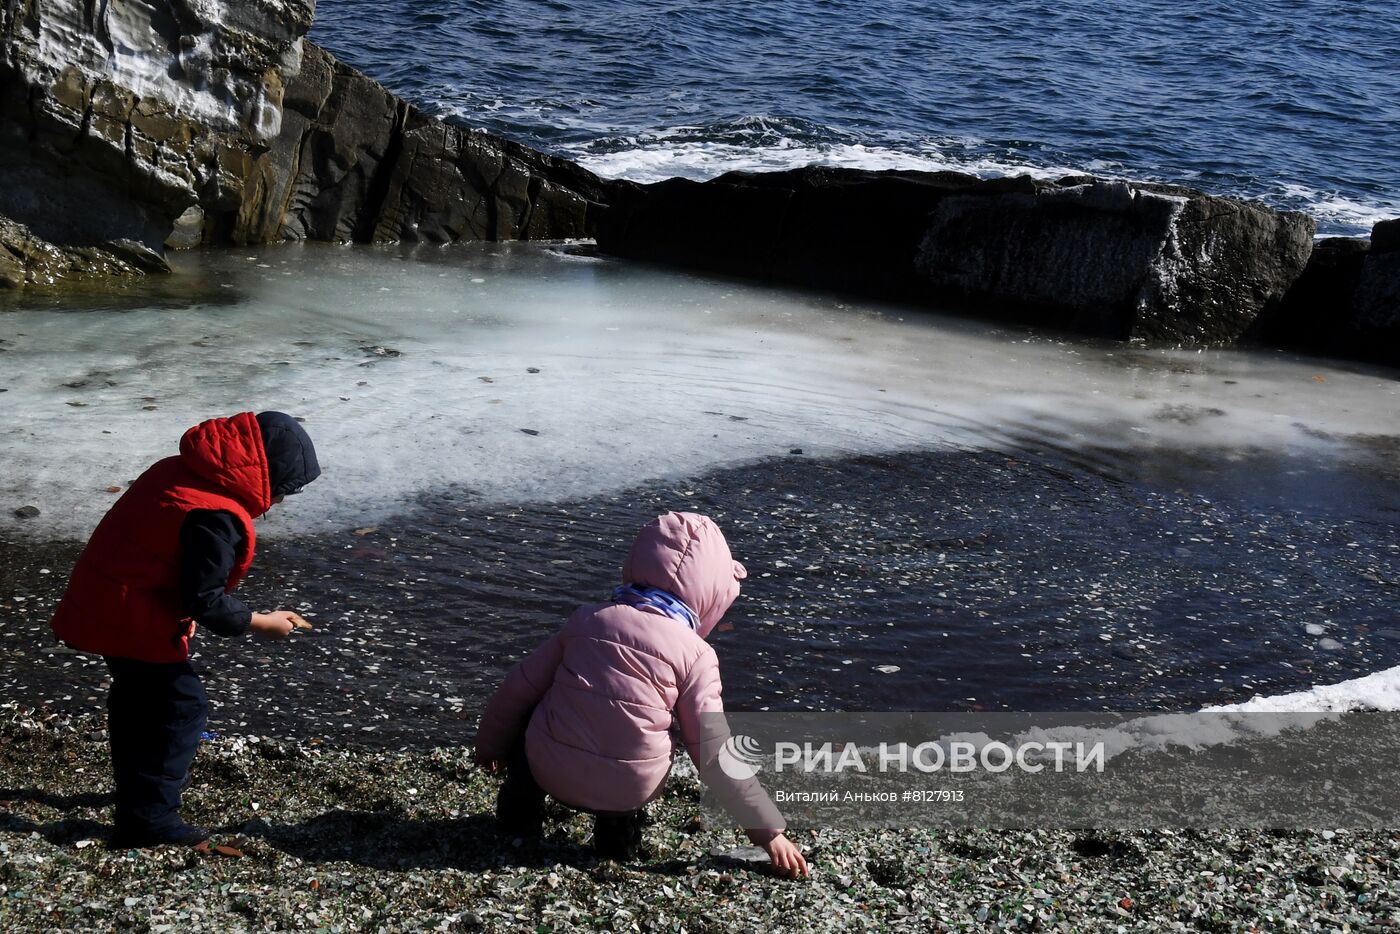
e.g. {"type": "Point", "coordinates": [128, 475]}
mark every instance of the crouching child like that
{"type": "Point", "coordinates": [587, 717]}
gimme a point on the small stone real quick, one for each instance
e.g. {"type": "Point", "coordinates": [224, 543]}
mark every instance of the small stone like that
{"type": "Point", "coordinates": [795, 451]}
{"type": "Point", "coordinates": [887, 669]}
{"type": "Point", "coordinates": [532, 369]}
{"type": "Point", "coordinates": [529, 431]}
{"type": "Point", "coordinates": [27, 512]}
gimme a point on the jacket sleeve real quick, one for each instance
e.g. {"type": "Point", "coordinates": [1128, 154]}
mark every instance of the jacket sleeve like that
{"type": "Point", "coordinates": [209, 544]}
{"type": "Point", "coordinates": [508, 711]}
{"type": "Point", "coordinates": [704, 730]}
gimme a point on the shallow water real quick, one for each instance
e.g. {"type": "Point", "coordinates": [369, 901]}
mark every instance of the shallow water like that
{"type": "Point", "coordinates": [1014, 520]}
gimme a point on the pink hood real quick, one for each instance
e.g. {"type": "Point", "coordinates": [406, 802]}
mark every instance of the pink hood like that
{"type": "Point", "coordinates": [594, 704]}
{"type": "Point", "coordinates": [686, 555]}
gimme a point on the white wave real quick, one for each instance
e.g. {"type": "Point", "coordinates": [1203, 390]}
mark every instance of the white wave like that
{"type": "Point", "coordinates": [1333, 210]}
{"type": "Point", "coordinates": [661, 156]}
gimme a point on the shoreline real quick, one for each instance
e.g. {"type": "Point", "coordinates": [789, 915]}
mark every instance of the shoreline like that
{"type": "Point", "coordinates": [340, 839]}
{"type": "Point", "coordinates": [418, 616]}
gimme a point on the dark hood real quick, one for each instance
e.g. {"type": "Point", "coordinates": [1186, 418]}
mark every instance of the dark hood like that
{"type": "Point", "coordinates": [291, 457]}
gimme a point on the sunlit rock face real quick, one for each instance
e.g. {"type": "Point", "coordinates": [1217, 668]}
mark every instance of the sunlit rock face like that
{"type": "Point", "coordinates": [173, 123]}
{"type": "Point", "coordinates": [354, 163]}
{"type": "Point", "coordinates": [117, 117]}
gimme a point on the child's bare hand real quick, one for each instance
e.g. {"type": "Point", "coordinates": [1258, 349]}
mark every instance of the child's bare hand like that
{"type": "Point", "coordinates": [786, 857]}
{"type": "Point", "coordinates": [276, 625]}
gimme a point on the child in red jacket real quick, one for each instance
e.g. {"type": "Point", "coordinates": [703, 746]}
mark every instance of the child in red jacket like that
{"type": "Point", "coordinates": [165, 558]}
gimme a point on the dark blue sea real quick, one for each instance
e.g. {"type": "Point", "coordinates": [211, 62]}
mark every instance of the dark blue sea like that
{"type": "Point", "coordinates": [1296, 104]}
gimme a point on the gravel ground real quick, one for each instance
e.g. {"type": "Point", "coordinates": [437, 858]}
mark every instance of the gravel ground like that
{"type": "Point", "coordinates": [338, 839]}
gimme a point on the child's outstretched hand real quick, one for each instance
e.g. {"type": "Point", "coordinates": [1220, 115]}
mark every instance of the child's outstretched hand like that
{"type": "Point", "coordinates": [786, 857]}
{"type": "Point", "coordinates": [278, 625]}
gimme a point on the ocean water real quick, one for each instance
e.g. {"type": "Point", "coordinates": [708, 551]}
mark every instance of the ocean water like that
{"type": "Point", "coordinates": [936, 513]}
{"type": "Point", "coordinates": [1296, 104]}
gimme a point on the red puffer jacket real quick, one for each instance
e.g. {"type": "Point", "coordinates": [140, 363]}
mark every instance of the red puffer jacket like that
{"type": "Point", "coordinates": [124, 596]}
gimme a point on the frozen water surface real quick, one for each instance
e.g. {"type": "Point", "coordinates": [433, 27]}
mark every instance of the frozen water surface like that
{"type": "Point", "coordinates": [527, 373]}
{"type": "Point", "coordinates": [937, 514]}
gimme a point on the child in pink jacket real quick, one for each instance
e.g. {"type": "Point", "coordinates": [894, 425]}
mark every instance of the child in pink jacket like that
{"type": "Point", "coordinates": [587, 716]}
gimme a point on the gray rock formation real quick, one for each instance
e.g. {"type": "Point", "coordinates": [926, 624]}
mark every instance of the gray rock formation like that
{"type": "Point", "coordinates": [354, 163]}
{"type": "Point", "coordinates": [175, 122]}
{"type": "Point", "coordinates": [116, 117]}
{"type": "Point", "coordinates": [1316, 312]}
{"type": "Point", "coordinates": [1122, 260]}
{"type": "Point", "coordinates": [1127, 261]}
{"type": "Point", "coordinates": [1376, 304]}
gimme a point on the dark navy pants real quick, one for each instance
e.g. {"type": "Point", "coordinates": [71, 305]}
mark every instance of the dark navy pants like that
{"type": "Point", "coordinates": [155, 715]}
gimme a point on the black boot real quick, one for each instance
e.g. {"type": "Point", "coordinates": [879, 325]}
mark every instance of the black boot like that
{"type": "Point", "coordinates": [180, 834]}
{"type": "Point", "coordinates": [618, 836]}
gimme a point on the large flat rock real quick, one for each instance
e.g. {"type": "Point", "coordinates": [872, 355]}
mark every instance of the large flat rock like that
{"type": "Point", "coordinates": [1119, 259]}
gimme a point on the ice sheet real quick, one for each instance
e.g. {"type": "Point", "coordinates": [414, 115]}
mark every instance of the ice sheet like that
{"type": "Point", "coordinates": [523, 373]}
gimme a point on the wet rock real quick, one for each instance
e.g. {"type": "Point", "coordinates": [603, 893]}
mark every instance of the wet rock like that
{"type": "Point", "coordinates": [1319, 301]}
{"type": "Point", "coordinates": [1347, 302]}
{"type": "Point", "coordinates": [118, 118]}
{"type": "Point", "coordinates": [28, 260]}
{"type": "Point", "coordinates": [1126, 260]}
{"type": "Point", "coordinates": [27, 512]}
{"type": "Point", "coordinates": [1376, 311]}
{"type": "Point", "coordinates": [352, 162]}
{"type": "Point", "coordinates": [138, 255]}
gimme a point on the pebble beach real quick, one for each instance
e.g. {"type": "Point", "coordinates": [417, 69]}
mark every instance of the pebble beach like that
{"type": "Point", "coordinates": [319, 837]}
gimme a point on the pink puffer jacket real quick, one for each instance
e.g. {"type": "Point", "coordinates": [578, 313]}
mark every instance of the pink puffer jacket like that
{"type": "Point", "coordinates": [604, 687]}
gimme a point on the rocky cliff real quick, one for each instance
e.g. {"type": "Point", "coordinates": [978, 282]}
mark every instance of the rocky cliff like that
{"type": "Point", "coordinates": [118, 116]}
{"type": "Point", "coordinates": [140, 123]}
{"type": "Point", "coordinates": [352, 162]}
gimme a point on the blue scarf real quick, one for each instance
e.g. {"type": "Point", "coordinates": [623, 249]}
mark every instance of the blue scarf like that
{"type": "Point", "coordinates": [659, 599]}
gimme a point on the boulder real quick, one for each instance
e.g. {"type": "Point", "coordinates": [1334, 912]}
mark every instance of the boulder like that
{"type": "Point", "coordinates": [1124, 260]}
{"type": "Point", "coordinates": [1346, 302]}
{"type": "Point", "coordinates": [1376, 303]}
{"type": "Point", "coordinates": [1159, 263]}
{"type": "Point", "coordinates": [1315, 314]}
